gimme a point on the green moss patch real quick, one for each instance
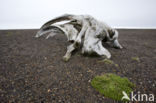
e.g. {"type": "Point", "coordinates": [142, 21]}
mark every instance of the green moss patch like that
{"type": "Point", "coordinates": [112, 86]}
{"type": "Point", "coordinates": [136, 59]}
{"type": "Point", "coordinates": [108, 61]}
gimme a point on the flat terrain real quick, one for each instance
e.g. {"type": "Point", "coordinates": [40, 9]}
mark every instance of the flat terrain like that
{"type": "Point", "coordinates": [32, 69]}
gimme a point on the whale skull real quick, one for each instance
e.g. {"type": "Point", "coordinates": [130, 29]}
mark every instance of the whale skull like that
{"type": "Point", "coordinates": [82, 31]}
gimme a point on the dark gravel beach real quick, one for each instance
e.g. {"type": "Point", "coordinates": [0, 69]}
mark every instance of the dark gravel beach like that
{"type": "Point", "coordinates": [32, 69]}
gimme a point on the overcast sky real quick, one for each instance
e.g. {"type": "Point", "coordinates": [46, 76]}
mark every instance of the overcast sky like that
{"type": "Point", "coordinates": [25, 14]}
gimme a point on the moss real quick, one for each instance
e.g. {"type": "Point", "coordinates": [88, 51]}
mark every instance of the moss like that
{"type": "Point", "coordinates": [136, 59]}
{"type": "Point", "coordinates": [148, 45]}
{"type": "Point", "coordinates": [116, 65]}
{"type": "Point", "coordinates": [108, 61]}
{"type": "Point", "coordinates": [9, 33]}
{"type": "Point", "coordinates": [111, 85]}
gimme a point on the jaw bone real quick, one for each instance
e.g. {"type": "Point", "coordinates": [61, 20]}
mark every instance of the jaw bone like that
{"type": "Point", "coordinates": [82, 30]}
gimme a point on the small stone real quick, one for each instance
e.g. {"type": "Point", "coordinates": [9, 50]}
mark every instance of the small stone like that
{"type": "Point", "coordinates": [49, 90]}
{"type": "Point", "coordinates": [149, 81]}
{"type": "Point", "coordinates": [89, 71]}
{"type": "Point", "coordinates": [45, 58]}
{"type": "Point", "coordinates": [53, 94]}
{"type": "Point", "coordinates": [153, 85]}
{"type": "Point", "coordinates": [89, 81]}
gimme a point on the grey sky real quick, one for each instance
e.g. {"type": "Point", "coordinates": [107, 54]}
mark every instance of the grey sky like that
{"type": "Point", "coordinates": [18, 14]}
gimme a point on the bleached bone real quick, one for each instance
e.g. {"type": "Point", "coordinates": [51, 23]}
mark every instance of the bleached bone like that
{"type": "Point", "coordinates": [83, 30]}
{"type": "Point", "coordinates": [93, 44]}
{"type": "Point", "coordinates": [49, 29]}
{"type": "Point", "coordinates": [69, 31]}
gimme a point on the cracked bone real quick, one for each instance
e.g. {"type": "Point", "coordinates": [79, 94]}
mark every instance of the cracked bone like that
{"type": "Point", "coordinates": [84, 31]}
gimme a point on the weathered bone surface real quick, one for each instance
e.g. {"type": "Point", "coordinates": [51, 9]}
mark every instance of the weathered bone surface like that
{"type": "Point", "coordinates": [83, 31]}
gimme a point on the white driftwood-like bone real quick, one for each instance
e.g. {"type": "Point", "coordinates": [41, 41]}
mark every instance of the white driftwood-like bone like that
{"type": "Point", "coordinates": [82, 30]}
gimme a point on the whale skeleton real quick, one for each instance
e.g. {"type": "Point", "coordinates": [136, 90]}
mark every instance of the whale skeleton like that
{"type": "Point", "coordinates": [82, 31]}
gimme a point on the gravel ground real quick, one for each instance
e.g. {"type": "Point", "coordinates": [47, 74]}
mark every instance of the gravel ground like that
{"type": "Point", "coordinates": [32, 70]}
